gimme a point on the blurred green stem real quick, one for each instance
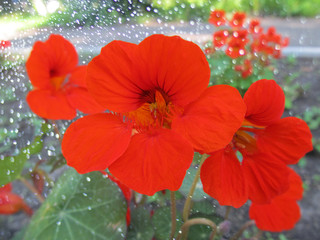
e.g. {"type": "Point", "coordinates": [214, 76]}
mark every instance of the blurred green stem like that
{"type": "Point", "coordinates": [194, 221]}
{"type": "Point", "coordinates": [186, 209]}
{"type": "Point", "coordinates": [173, 214]}
{"type": "Point", "coordinates": [32, 189]}
{"type": "Point", "coordinates": [242, 229]}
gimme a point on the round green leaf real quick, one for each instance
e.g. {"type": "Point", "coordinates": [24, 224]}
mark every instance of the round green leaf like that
{"type": "Point", "coordinates": [80, 207]}
{"type": "Point", "coordinates": [140, 227]}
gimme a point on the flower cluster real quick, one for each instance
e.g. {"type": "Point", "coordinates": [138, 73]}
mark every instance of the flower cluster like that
{"type": "Point", "coordinates": [150, 108]}
{"type": "Point", "coordinates": [254, 164]}
{"type": "Point", "coordinates": [247, 43]}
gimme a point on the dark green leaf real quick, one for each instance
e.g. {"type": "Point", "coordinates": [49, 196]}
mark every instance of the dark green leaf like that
{"type": "Point", "coordinates": [161, 221]}
{"type": "Point", "coordinates": [140, 227]}
{"type": "Point", "coordinates": [80, 207]}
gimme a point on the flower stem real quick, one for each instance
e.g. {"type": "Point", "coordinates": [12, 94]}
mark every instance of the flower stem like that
{"type": "Point", "coordinates": [32, 189]}
{"type": "Point", "coordinates": [56, 130]}
{"type": "Point", "coordinates": [242, 229]}
{"type": "Point", "coordinates": [186, 208]}
{"type": "Point", "coordinates": [173, 214]}
{"type": "Point", "coordinates": [185, 227]}
{"type": "Point", "coordinates": [226, 216]}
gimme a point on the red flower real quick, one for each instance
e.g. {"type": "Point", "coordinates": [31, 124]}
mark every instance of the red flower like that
{"type": "Point", "coordinates": [254, 26]}
{"type": "Point", "coordinates": [253, 165]}
{"type": "Point", "coordinates": [241, 34]}
{"type": "Point", "coordinates": [11, 203]}
{"type": "Point", "coordinates": [220, 38]}
{"type": "Point", "coordinates": [217, 18]}
{"type": "Point", "coordinates": [246, 69]}
{"type": "Point", "coordinates": [238, 19]}
{"type": "Point", "coordinates": [283, 212]}
{"type": "Point", "coordinates": [4, 44]}
{"type": "Point", "coordinates": [59, 83]}
{"type": "Point", "coordinates": [160, 110]}
{"type": "Point", "coordinates": [236, 48]}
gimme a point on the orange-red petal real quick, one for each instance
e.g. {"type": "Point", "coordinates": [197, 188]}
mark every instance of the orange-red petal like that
{"type": "Point", "coordinates": [111, 78]}
{"type": "Point", "coordinates": [154, 161]}
{"type": "Point", "coordinates": [210, 122]}
{"type": "Point", "coordinates": [223, 179]}
{"type": "Point", "coordinates": [265, 102]}
{"type": "Point", "coordinates": [124, 73]}
{"type": "Point", "coordinates": [287, 139]}
{"type": "Point", "coordinates": [50, 104]}
{"type": "Point", "coordinates": [267, 177]}
{"type": "Point", "coordinates": [279, 215]}
{"type": "Point", "coordinates": [78, 76]}
{"type": "Point", "coordinates": [174, 65]}
{"type": "Point", "coordinates": [283, 212]}
{"type": "Point", "coordinates": [79, 98]}
{"type": "Point", "coordinates": [94, 142]}
{"type": "Point", "coordinates": [52, 58]}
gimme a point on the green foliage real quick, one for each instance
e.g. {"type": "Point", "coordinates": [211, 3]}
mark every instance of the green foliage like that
{"type": "Point", "coordinates": [97, 12]}
{"type": "Point", "coordinates": [140, 227]}
{"type": "Point", "coordinates": [161, 221]}
{"type": "Point", "coordinates": [12, 166]}
{"type": "Point", "coordinates": [86, 206]}
{"type": "Point", "coordinates": [199, 194]}
{"type": "Point", "coordinates": [223, 72]}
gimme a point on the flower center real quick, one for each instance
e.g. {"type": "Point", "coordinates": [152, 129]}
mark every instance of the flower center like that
{"type": "Point", "coordinates": [57, 81]}
{"type": "Point", "coordinates": [244, 139]}
{"type": "Point", "coordinates": [155, 112]}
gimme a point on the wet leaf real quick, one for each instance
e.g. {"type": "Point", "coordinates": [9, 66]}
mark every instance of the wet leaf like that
{"type": "Point", "coordinates": [140, 227]}
{"type": "Point", "coordinates": [161, 221]}
{"type": "Point", "coordinates": [12, 166]}
{"type": "Point", "coordinates": [86, 206]}
{"type": "Point", "coordinates": [199, 194]}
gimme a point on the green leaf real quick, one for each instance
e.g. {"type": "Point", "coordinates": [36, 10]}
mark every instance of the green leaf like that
{"type": "Point", "coordinates": [86, 206]}
{"type": "Point", "coordinates": [12, 166]}
{"type": "Point", "coordinates": [205, 207]}
{"type": "Point", "coordinates": [140, 227]}
{"type": "Point", "coordinates": [199, 194]}
{"type": "Point", "coordinates": [161, 221]}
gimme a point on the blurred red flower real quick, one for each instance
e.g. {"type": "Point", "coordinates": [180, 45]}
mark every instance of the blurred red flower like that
{"type": "Point", "coordinates": [236, 48]}
{"type": "Point", "coordinates": [220, 38]}
{"type": "Point", "coordinates": [11, 203]}
{"type": "Point", "coordinates": [283, 212]}
{"type": "Point", "coordinates": [246, 69]}
{"type": "Point", "coordinates": [160, 110]}
{"type": "Point", "coordinates": [238, 19]}
{"type": "Point", "coordinates": [4, 44]}
{"type": "Point", "coordinates": [253, 165]}
{"type": "Point", "coordinates": [217, 18]}
{"type": "Point", "coordinates": [59, 84]}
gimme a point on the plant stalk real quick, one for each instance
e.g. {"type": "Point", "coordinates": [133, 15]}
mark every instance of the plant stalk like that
{"type": "Point", "coordinates": [32, 189]}
{"type": "Point", "coordinates": [173, 214]}
{"type": "Point", "coordinates": [194, 221]}
{"type": "Point", "coordinates": [186, 208]}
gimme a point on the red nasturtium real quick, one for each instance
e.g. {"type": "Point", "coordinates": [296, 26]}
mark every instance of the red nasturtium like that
{"type": "Point", "coordinates": [283, 212]}
{"type": "Point", "coordinates": [11, 203]}
{"type": "Point", "coordinates": [59, 84]}
{"type": "Point", "coordinates": [159, 111]}
{"type": "Point", "coordinates": [253, 165]}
